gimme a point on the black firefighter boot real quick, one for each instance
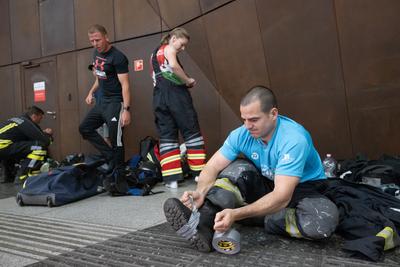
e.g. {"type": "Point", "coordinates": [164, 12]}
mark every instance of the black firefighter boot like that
{"type": "Point", "coordinates": [199, 236]}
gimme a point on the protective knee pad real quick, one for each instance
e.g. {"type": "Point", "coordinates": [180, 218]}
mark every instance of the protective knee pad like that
{"type": "Point", "coordinates": [317, 217]}
{"type": "Point", "coordinates": [222, 198]}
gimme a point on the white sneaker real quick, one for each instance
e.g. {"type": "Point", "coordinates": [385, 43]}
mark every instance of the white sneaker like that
{"type": "Point", "coordinates": [173, 184]}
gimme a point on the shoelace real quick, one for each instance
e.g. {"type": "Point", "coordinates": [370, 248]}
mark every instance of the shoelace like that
{"type": "Point", "coordinates": [190, 228]}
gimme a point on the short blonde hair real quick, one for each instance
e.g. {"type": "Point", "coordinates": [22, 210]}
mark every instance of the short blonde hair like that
{"type": "Point", "coordinates": [97, 28]}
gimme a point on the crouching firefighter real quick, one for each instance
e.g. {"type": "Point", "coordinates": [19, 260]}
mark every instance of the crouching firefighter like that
{"type": "Point", "coordinates": [22, 138]}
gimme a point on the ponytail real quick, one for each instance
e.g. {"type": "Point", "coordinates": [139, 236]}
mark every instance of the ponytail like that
{"type": "Point", "coordinates": [178, 33]}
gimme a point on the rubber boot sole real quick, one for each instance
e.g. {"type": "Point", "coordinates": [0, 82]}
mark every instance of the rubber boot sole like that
{"type": "Point", "coordinates": [177, 216]}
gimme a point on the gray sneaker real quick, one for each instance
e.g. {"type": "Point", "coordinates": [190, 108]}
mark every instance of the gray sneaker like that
{"type": "Point", "coordinates": [178, 216]}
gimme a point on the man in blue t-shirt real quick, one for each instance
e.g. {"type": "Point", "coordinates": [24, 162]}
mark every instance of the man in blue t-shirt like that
{"type": "Point", "coordinates": [286, 198]}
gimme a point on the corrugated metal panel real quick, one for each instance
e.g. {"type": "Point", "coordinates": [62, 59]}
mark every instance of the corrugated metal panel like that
{"type": "Point", "coordinates": [5, 35]}
{"type": "Point", "coordinates": [236, 49]}
{"type": "Point", "coordinates": [302, 54]}
{"type": "Point", "coordinates": [25, 32]}
{"type": "Point", "coordinates": [89, 12]}
{"type": "Point", "coordinates": [370, 44]}
{"type": "Point", "coordinates": [57, 26]}
{"type": "Point", "coordinates": [135, 18]}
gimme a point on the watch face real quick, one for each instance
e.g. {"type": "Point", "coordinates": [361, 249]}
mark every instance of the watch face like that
{"type": "Point", "coordinates": [126, 108]}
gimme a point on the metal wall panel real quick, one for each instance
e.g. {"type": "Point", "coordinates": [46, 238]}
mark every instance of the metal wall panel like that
{"type": "Point", "coordinates": [25, 32]}
{"type": "Point", "coordinates": [135, 18]}
{"type": "Point", "coordinates": [141, 85]}
{"type": "Point", "coordinates": [68, 101]}
{"type": "Point", "coordinates": [236, 49]}
{"type": "Point", "coordinates": [10, 100]}
{"type": "Point", "coordinates": [85, 80]}
{"type": "Point", "coordinates": [207, 5]}
{"type": "Point", "coordinates": [89, 12]}
{"type": "Point", "coordinates": [204, 96]}
{"type": "Point", "coordinates": [206, 101]}
{"type": "Point", "coordinates": [302, 55]}
{"type": "Point", "coordinates": [5, 35]}
{"type": "Point", "coordinates": [176, 12]}
{"type": "Point", "coordinates": [370, 40]}
{"type": "Point", "coordinates": [198, 48]}
{"type": "Point", "coordinates": [56, 26]}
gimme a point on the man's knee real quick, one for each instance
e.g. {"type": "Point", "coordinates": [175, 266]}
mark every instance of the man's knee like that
{"type": "Point", "coordinates": [84, 130]}
{"type": "Point", "coordinates": [317, 217]}
{"type": "Point", "coordinates": [222, 198]}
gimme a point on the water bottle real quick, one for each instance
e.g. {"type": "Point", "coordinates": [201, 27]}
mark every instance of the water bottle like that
{"type": "Point", "coordinates": [330, 165]}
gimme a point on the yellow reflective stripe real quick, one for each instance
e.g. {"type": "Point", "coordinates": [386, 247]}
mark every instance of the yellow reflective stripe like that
{"type": "Point", "coordinates": [170, 159]}
{"type": "Point", "coordinates": [226, 184]}
{"type": "Point", "coordinates": [290, 223]}
{"type": "Point", "coordinates": [8, 127]}
{"type": "Point", "coordinates": [39, 152]}
{"type": "Point", "coordinates": [32, 156]}
{"type": "Point", "coordinates": [196, 156]}
{"type": "Point", "coordinates": [172, 172]}
{"type": "Point", "coordinates": [388, 234]}
{"type": "Point", "coordinates": [149, 157]}
{"type": "Point", "coordinates": [197, 167]}
{"type": "Point", "coordinates": [5, 143]}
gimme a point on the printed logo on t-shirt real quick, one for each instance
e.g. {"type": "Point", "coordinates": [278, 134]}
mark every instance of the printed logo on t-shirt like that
{"type": "Point", "coordinates": [254, 156]}
{"type": "Point", "coordinates": [286, 158]}
{"type": "Point", "coordinates": [99, 67]}
{"type": "Point", "coordinates": [267, 172]}
{"type": "Point", "coordinates": [100, 74]}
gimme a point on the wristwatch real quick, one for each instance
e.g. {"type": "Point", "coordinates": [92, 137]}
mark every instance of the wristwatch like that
{"type": "Point", "coordinates": [127, 108]}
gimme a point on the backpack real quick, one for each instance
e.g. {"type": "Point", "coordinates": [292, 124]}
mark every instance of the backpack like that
{"type": "Point", "coordinates": [129, 180]}
{"type": "Point", "coordinates": [149, 151]}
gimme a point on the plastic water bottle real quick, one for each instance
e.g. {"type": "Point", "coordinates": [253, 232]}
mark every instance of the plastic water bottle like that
{"type": "Point", "coordinates": [330, 165]}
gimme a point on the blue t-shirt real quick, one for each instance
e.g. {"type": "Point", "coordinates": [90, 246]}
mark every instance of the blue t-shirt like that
{"type": "Point", "coordinates": [289, 152]}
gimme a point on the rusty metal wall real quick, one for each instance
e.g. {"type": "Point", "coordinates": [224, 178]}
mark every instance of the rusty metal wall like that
{"type": "Point", "coordinates": [25, 30]}
{"type": "Point", "coordinates": [5, 35]}
{"type": "Point", "coordinates": [56, 26]}
{"type": "Point", "coordinates": [302, 54]}
{"type": "Point", "coordinates": [89, 12]}
{"type": "Point", "coordinates": [68, 99]}
{"type": "Point", "coordinates": [135, 18]}
{"type": "Point", "coordinates": [176, 12]}
{"type": "Point", "coordinates": [236, 51]}
{"type": "Point", "coordinates": [10, 100]}
{"type": "Point", "coordinates": [369, 37]}
{"type": "Point", "coordinates": [333, 64]}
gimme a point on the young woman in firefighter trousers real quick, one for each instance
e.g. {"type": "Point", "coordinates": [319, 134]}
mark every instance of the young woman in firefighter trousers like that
{"type": "Point", "coordinates": [173, 109]}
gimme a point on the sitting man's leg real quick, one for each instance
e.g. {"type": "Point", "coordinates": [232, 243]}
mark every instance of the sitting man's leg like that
{"type": "Point", "coordinates": [224, 195]}
{"type": "Point", "coordinates": [311, 217]}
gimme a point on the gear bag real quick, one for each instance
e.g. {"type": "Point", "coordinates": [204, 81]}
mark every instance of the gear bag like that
{"type": "Point", "coordinates": [61, 185]}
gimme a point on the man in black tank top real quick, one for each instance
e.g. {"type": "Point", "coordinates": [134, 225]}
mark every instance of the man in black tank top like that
{"type": "Point", "coordinates": [111, 70]}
